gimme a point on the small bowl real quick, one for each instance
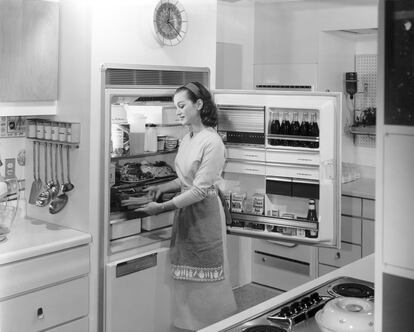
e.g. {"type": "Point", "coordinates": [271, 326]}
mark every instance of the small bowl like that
{"type": "Point", "coordinates": [171, 143]}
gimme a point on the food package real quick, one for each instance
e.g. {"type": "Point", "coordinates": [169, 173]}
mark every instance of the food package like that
{"type": "Point", "coordinates": [258, 204]}
{"type": "Point", "coordinates": [237, 202]}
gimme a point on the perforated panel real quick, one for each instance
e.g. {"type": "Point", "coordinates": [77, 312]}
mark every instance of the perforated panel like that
{"type": "Point", "coordinates": [366, 68]}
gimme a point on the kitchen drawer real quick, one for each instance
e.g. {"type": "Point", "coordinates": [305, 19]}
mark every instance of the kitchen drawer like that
{"type": "Point", "coordinates": [294, 251]}
{"type": "Point", "coordinates": [246, 154]}
{"type": "Point", "coordinates": [79, 325]}
{"type": "Point", "coordinates": [244, 168]}
{"type": "Point", "coordinates": [368, 237]}
{"type": "Point", "coordinates": [290, 157]}
{"type": "Point", "coordinates": [46, 308]}
{"type": "Point", "coordinates": [334, 257]}
{"type": "Point", "coordinates": [324, 269]}
{"type": "Point", "coordinates": [279, 273]}
{"type": "Point", "coordinates": [352, 206]}
{"type": "Point", "coordinates": [368, 209]}
{"type": "Point", "coordinates": [351, 230]}
{"type": "Point", "coordinates": [299, 172]}
{"type": "Point", "coordinates": [43, 270]}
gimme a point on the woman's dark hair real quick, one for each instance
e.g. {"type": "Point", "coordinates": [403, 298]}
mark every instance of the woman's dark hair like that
{"type": "Point", "coordinates": [195, 91]}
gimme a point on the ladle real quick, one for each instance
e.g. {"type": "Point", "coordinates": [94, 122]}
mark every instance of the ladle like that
{"type": "Point", "coordinates": [34, 190]}
{"type": "Point", "coordinates": [68, 186]}
{"type": "Point", "coordinates": [54, 190]}
{"type": "Point", "coordinates": [45, 196]}
{"type": "Point", "coordinates": [60, 201]}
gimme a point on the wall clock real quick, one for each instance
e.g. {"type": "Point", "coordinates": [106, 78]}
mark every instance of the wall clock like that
{"type": "Point", "coordinates": [170, 22]}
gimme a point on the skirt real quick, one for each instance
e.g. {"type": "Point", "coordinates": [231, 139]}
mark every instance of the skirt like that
{"type": "Point", "coordinates": [199, 304]}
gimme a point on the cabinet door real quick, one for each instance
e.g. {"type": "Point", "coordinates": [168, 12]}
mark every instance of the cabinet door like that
{"type": "Point", "coordinates": [46, 308]}
{"type": "Point", "coordinates": [29, 33]}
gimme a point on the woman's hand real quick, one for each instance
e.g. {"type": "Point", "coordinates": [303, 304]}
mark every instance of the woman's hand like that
{"type": "Point", "coordinates": [151, 208]}
{"type": "Point", "coordinates": [154, 191]}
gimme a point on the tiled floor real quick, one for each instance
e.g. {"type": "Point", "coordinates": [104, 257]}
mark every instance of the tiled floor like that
{"type": "Point", "coordinates": [251, 294]}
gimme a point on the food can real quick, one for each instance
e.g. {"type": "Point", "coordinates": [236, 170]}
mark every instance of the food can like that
{"type": "Point", "coordinates": [161, 142]}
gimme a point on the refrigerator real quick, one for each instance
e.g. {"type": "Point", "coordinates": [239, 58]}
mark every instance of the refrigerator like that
{"type": "Point", "coordinates": [278, 173]}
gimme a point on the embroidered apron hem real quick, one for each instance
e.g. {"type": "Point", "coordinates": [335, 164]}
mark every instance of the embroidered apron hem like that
{"type": "Point", "coordinates": [203, 274]}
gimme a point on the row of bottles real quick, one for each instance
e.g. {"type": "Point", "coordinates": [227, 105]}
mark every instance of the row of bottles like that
{"type": "Point", "coordinates": [294, 128]}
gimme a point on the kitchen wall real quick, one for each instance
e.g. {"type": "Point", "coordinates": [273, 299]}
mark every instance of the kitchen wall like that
{"type": "Point", "coordinates": [235, 44]}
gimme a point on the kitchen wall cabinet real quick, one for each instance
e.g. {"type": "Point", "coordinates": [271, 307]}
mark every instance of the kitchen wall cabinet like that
{"type": "Point", "coordinates": [357, 235]}
{"type": "Point", "coordinates": [28, 50]}
{"type": "Point", "coordinates": [42, 298]}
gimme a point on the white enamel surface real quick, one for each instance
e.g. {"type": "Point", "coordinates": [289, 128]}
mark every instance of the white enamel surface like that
{"type": "Point", "coordinates": [30, 237]}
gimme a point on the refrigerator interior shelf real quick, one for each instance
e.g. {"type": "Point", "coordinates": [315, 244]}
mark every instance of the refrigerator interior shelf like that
{"type": "Point", "coordinates": [297, 223]}
{"type": "Point", "coordinates": [49, 141]}
{"type": "Point", "coordinates": [294, 138]}
{"type": "Point", "coordinates": [264, 234]}
{"type": "Point", "coordinates": [115, 157]}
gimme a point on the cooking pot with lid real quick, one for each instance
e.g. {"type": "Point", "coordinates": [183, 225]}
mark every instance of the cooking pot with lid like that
{"type": "Point", "coordinates": [346, 314]}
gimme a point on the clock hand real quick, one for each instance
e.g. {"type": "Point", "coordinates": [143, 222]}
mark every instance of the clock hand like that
{"type": "Point", "coordinates": [172, 26]}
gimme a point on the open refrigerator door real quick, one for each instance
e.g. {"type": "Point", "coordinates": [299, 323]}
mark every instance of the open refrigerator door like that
{"type": "Point", "coordinates": [269, 186]}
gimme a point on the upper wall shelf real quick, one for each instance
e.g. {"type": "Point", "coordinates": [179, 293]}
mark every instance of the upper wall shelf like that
{"type": "Point", "coordinates": [367, 130]}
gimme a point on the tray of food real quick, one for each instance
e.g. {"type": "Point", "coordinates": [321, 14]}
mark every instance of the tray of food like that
{"type": "Point", "coordinates": [141, 173]}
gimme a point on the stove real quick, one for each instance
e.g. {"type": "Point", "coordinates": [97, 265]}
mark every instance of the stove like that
{"type": "Point", "coordinates": [298, 314]}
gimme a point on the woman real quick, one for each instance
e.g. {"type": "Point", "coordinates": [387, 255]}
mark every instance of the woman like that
{"type": "Point", "coordinates": [202, 289]}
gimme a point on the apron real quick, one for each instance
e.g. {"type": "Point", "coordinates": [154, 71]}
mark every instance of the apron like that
{"type": "Point", "coordinates": [202, 289]}
{"type": "Point", "coordinates": [196, 249]}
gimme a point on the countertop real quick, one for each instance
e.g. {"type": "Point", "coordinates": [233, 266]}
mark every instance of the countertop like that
{"type": "Point", "coordinates": [362, 187]}
{"type": "Point", "coordinates": [31, 237]}
{"type": "Point", "coordinates": [361, 269]}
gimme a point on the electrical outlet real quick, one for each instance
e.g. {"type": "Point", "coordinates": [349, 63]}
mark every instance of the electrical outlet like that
{"type": "Point", "coordinates": [10, 168]}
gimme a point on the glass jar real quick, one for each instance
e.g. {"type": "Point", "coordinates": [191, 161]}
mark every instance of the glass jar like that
{"type": "Point", "coordinates": [55, 131]}
{"type": "Point", "coordinates": [48, 130]}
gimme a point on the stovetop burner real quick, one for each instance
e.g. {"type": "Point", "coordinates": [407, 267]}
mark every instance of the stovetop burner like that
{"type": "Point", "coordinates": [264, 328]}
{"type": "Point", "coordinates": [353, 290]}
{"type": "Point", "coordinates": [297, 314]}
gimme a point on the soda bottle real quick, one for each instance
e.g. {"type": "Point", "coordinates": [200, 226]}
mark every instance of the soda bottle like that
{"type": "Point", "coordinates": [295, 128]}
{"type": "Point", "coordinates": [275, 129]}
{"type": "Point", "coordinates": [314, 130]}
{"type": "Point", "coordinates": [304, 128]}
{"type": "Point", "coordinates": [285, 128]}
{"type": "Point", "coordinates": [312, 217]}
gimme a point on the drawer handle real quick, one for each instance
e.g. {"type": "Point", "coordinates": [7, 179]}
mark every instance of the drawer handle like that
{"type": "Point", "coordinates": [338, 255]}
{"type": "Point", "coordinates": [251, 155]}
{"type": "Point", "coordinates": [263, 259]}
{"type": "Point", "coordinates": [40, 313]}
{"type": "Point", "coordinates": [252, 169]}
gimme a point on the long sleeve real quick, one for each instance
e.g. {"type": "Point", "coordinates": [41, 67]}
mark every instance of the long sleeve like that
{"type": "Point", "coordinates": [204, 170]}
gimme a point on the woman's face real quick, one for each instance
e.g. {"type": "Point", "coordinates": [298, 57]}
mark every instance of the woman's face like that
{"type": "Point", "coordinates": [188, 113]}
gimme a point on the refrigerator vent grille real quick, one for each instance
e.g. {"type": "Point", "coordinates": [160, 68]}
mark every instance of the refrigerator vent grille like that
{"type": "Point", "coordinates": [285, 87]}
{"type": "Point", "coordinates": [134, 78]}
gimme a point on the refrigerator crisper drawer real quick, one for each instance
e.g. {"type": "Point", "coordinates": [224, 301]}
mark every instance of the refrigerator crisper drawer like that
{"type": "Point", "coordinates": [122, 228]}
{"type": "Point", "coordinates": [292, 157]}
{"type": "Point", "coordinates": [293, 171]}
